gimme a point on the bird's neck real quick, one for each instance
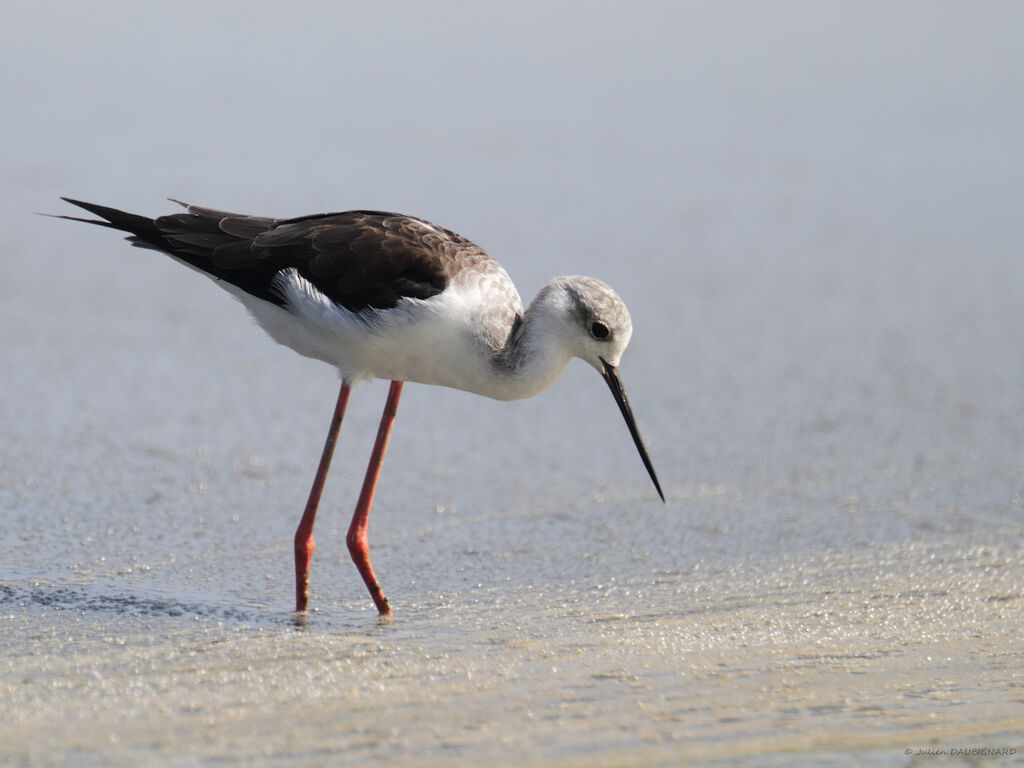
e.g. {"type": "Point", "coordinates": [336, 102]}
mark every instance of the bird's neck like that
{"type": "Point", "coordinates": [535, 353]}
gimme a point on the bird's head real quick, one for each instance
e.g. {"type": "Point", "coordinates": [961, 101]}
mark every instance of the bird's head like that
{"type": "Point", "coordinates": [597, 329]}
{"type": "Point", "coordinates": [600, 323]}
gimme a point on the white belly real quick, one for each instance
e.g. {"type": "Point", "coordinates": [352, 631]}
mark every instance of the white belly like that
{"type": "Point", "coordinates": [441, 341]}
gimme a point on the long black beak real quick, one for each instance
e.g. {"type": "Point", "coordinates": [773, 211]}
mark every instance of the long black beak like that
{"type": "Point", "coordinates": [611, 375]}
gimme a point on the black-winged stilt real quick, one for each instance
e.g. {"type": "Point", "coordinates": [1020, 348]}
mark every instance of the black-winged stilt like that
{"type": "Point", "coordinates": [387, 296]}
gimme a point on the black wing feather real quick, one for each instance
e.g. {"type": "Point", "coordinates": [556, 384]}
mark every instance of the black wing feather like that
{"type": "Point", "coordinates": [359, 259]}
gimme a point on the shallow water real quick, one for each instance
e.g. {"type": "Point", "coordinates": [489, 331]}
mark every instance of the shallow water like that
{"type": "Point", "coordinates": [814, 218]}
{"type": "Point", "coordinates": [902, 650]}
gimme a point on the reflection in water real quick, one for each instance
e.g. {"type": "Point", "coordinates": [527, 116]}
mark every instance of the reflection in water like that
{"type": "Point", "coordinates": [82, 600]}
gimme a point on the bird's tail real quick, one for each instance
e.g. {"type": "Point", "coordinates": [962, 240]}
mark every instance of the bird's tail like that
{"type": "Point", "coordinates": [216, 243]}
{"type": "Point", "coordinates": [143, 231]}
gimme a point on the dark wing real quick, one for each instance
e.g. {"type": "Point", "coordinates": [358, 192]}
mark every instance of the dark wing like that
{"type": "Point", "coordinates": [359, 259]}
{"type": "Point", "coordinates": [364, 259]}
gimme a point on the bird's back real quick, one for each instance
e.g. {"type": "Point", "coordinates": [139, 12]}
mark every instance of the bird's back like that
{"type": "Point", "coordinates": [353, 288]}
{"type": "Point", "coordinates": [358, 259]}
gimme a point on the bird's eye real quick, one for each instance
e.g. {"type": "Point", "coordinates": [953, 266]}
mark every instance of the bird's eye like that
{"type": "Point", "coordinates": [599, 330]}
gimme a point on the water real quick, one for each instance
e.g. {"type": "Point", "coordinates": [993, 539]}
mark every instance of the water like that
{"type": "Point", "coordinates": [814, 215]}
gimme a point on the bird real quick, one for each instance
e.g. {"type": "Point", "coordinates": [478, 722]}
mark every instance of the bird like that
{"type": "Point", "coordinates": [382, 295]}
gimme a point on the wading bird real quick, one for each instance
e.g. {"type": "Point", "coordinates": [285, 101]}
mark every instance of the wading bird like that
{"type": "Point", "coordinates": [386, 296]}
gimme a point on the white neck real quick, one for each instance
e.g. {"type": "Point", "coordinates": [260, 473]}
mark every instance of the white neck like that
{"type": "Point", "coordinates": [537, 350]}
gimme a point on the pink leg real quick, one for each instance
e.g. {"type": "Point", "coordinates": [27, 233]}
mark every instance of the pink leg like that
{"type": "Point", "coordinates": [304, 544]}
{"type": "Point", "coordinates": [358, 544]}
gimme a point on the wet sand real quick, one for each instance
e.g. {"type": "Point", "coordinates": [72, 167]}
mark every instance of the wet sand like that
{"type": "Point", "coordinates": [826, 662]}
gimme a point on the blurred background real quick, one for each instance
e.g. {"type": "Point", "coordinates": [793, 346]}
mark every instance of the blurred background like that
{"type": "Point", "coordinates": [813, 211]}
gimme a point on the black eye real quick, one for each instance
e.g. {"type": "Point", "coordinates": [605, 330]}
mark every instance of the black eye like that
{"type": "Point", "coordinates": [599, 330]}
